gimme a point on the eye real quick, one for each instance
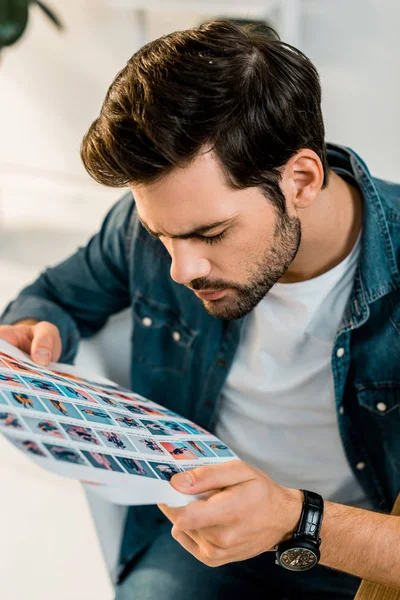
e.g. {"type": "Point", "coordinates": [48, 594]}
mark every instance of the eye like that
{"type": "Point", "coordinates": [213, 239]}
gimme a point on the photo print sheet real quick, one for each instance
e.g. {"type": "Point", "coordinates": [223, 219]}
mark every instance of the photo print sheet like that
{"type": "Point", "coordinates": [83, 426]}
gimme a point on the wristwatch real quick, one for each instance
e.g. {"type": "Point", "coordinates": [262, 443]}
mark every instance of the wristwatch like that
{"type": "Point", "coordinates": [301, 552]}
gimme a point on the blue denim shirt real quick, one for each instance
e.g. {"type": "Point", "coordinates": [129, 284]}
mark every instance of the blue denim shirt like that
{"type": "Point", "coordinates": [123, 266]}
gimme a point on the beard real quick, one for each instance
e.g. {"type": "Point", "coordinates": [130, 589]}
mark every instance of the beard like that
{"type": "Point", "coordinates": [242, 299]}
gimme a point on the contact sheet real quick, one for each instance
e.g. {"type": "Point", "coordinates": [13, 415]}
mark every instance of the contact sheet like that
{"type": "Point", "coordinates": [78, 425]}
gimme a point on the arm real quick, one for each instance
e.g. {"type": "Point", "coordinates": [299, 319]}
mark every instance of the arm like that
{"type": "Point", "coordinates": [79, 294]}
{"type": "Point", "coordinates": [362, 543]}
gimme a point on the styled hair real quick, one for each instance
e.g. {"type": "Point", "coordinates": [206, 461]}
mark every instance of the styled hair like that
{"type": "Point", "coordinates": [238, 91]}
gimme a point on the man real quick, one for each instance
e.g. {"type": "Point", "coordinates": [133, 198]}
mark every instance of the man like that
{"type": "Point", "coordinates": [262, 269]}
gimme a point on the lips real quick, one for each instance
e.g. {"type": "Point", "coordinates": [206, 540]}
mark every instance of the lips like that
{"type": "Point", "coordinates": [210, 295]}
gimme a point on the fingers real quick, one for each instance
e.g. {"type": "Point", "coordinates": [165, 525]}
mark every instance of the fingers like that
{"type": "Point", "coordinates": [41, 340]}
{"type": "Point", "coordinates": [213, 477]}
{"type": "Point", "coordinates": [8, 334]}
{"type": "Point", "coordinates": [46, 343]}
{"type": "Point", "coordinates": [185, 541]}
{"type": "Point", "coordinates": [19, 336]}
{"type": "Point", "coordinates": [221, 508]}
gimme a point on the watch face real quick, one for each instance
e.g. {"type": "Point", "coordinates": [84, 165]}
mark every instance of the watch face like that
{"type": "Point", "coordinates": [298, 559]}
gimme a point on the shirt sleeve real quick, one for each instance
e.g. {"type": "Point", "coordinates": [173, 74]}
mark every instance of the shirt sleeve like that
{"type": "Point", "coordinates": [79, 294]}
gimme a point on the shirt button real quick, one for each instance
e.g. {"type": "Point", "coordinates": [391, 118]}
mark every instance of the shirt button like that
{"type": "Point", "coordinates": [341, 410]}
{"type": "Point", "coordinates": [360, 466]}
{"type": "Point", "coordinates": [340, 352]}
{"type": "Point", "coordinates": [221, 362]}
{"type": "Point", "coordinates": [381, 406]}
{"type": "Point", "coordinates": [147, 322]}
{"type": "Point", "coordinates": [176, 336]}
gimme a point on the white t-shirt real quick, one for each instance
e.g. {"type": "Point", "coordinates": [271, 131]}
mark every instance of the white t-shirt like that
{"type": "Point", "coordinates": [278, 405]}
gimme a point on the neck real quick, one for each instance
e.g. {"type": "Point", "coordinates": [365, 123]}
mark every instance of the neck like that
{"type": "Point", "coordinates": [330, 228]}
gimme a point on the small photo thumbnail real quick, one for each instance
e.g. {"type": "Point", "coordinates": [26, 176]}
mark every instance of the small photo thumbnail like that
{"type": "Point", "coordinates": [155, 427]}
{"type": "Point", "coordinates": [28, 446]}
{"type": "Point", "coordinates": [42, 385]}
{"type": "Point", "coordinates": [219, 448]}
{"type": "Point", "coordinates": [25, 400]}
{"type": "Point", "coordinates": [102, 461]}
{"type": "Point", "coordinates": [11, 421]}
{"type": "Point", "coordinates": [148, 446]}
{"type": "Point", "coordinates": [81, 433]}
{"type": "Point", "coordinates": [11, 380]}
{"type": "Point", "coordinates": [179, 450]}
{"type": "Point", "coordinates": [164, 471]}
{"type": "Point", "coordinates": [21, 367]}
{"type": "Point", "coordinates": [76, 394]}
{"type": "Point", "coordinates": [67, 376]}
{"type": "Point", "coordinates": [135, 409]}
{"type": "Point", "coordinates": [199, 448]}
{"type": "Point", "coordinates": [61, 408]}
{"type": "Point", "coordinates": [128, 422]}
{"type": "Point", "coordinates": [135, 467]}
{"type": "Point", "coordinates": [65, 454]}
{"type": "Point", "coordinates": [44, 426]}
{"type": "Point", "coordinates": [174, 427]}
{"type": "Point", "coordinates": [194, 429]}
{"type": "Point", "coordinates": [166, 412]}
{"type": "Point", "coordinates": [115, 440]}
{"type": "Point", "coordinates": [96, 415]}
{"type": "Point", "coordinates": [105, 400]}
{"type": "Point", "coordinates": [141, 409]}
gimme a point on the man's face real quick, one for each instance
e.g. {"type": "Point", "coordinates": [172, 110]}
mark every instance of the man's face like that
{"type": "Point", "coordinates": [228, 246]}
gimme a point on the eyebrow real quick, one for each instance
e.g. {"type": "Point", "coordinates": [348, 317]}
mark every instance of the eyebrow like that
{"type": "Point", "coordinates": [197, 231]}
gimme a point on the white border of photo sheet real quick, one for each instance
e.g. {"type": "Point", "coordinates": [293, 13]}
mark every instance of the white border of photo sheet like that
{"type": "Point", "coordinates": [88, 428]}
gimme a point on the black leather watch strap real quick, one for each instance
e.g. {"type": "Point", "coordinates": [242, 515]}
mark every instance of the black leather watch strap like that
{"type": "Point", "coordinates": [311, 517]}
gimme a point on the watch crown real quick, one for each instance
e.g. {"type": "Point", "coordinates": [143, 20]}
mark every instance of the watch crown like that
{"type": "Point", "coordinates": [276, 562]}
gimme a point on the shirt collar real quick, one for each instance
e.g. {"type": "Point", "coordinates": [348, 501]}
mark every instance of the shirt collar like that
{"type": "Point", "coordinates": [377, 273]}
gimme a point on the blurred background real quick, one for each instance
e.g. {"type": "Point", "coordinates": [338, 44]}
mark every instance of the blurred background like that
{"type": "Point", "coordinates": [52, 84]}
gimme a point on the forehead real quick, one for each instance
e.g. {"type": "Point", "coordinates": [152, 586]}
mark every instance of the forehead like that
{"type": "Point", "coordinates": [188, 196]}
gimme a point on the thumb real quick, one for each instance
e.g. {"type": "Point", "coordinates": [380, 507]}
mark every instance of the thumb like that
{"type": "Point", "coordinates": [213, 477]}
{"type": "Point", "coordinates": [46, 343]}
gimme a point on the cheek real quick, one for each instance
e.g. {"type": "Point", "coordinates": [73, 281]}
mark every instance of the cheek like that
{"type": "Point", "coordinates": [239, 257]}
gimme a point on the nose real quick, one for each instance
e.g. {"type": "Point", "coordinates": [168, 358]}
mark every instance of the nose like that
{"type": "Point", "coordinates": [187, 264]}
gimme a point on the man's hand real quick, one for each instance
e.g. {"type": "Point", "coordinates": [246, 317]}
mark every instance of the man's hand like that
{"type": "Point", "coordinates": [41, 340]}
{"type": "Point", "coordinates": [246, 512]}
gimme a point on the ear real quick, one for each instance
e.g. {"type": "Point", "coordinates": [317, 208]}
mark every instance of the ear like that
{"type": "Point", "coordinates": [304, 176]}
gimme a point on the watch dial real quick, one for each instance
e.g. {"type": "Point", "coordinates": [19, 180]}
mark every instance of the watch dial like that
{"type": "Point", "coordinates": [298, 559]}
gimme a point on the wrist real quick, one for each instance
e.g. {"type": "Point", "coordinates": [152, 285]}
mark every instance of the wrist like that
{"type": "Point", "coordinates": [293, 507]}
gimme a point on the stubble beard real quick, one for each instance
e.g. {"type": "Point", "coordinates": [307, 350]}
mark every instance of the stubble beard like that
{"type": "Point", "coordinates": [240, 300]}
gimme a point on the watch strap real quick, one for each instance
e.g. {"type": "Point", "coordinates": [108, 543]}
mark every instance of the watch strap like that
{"type": "Point", "coordinates": [311, 517]}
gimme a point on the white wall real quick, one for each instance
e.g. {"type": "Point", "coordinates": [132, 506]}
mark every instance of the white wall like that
{"type": "Point", "coordinates": [355, 44]}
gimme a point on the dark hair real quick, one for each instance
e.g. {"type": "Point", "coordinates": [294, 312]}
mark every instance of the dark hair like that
{"type": "Point", "coordinates": [252, 99]}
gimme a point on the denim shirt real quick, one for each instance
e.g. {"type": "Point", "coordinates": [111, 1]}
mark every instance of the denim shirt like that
{"type": "Point", "coordinates": [123, 266]}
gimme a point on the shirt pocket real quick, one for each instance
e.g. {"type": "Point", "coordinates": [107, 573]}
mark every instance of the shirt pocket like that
{"type": "Point", "coordinates": [382, 400]}
{"type": "Point", "coordinates": [161, 339]}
